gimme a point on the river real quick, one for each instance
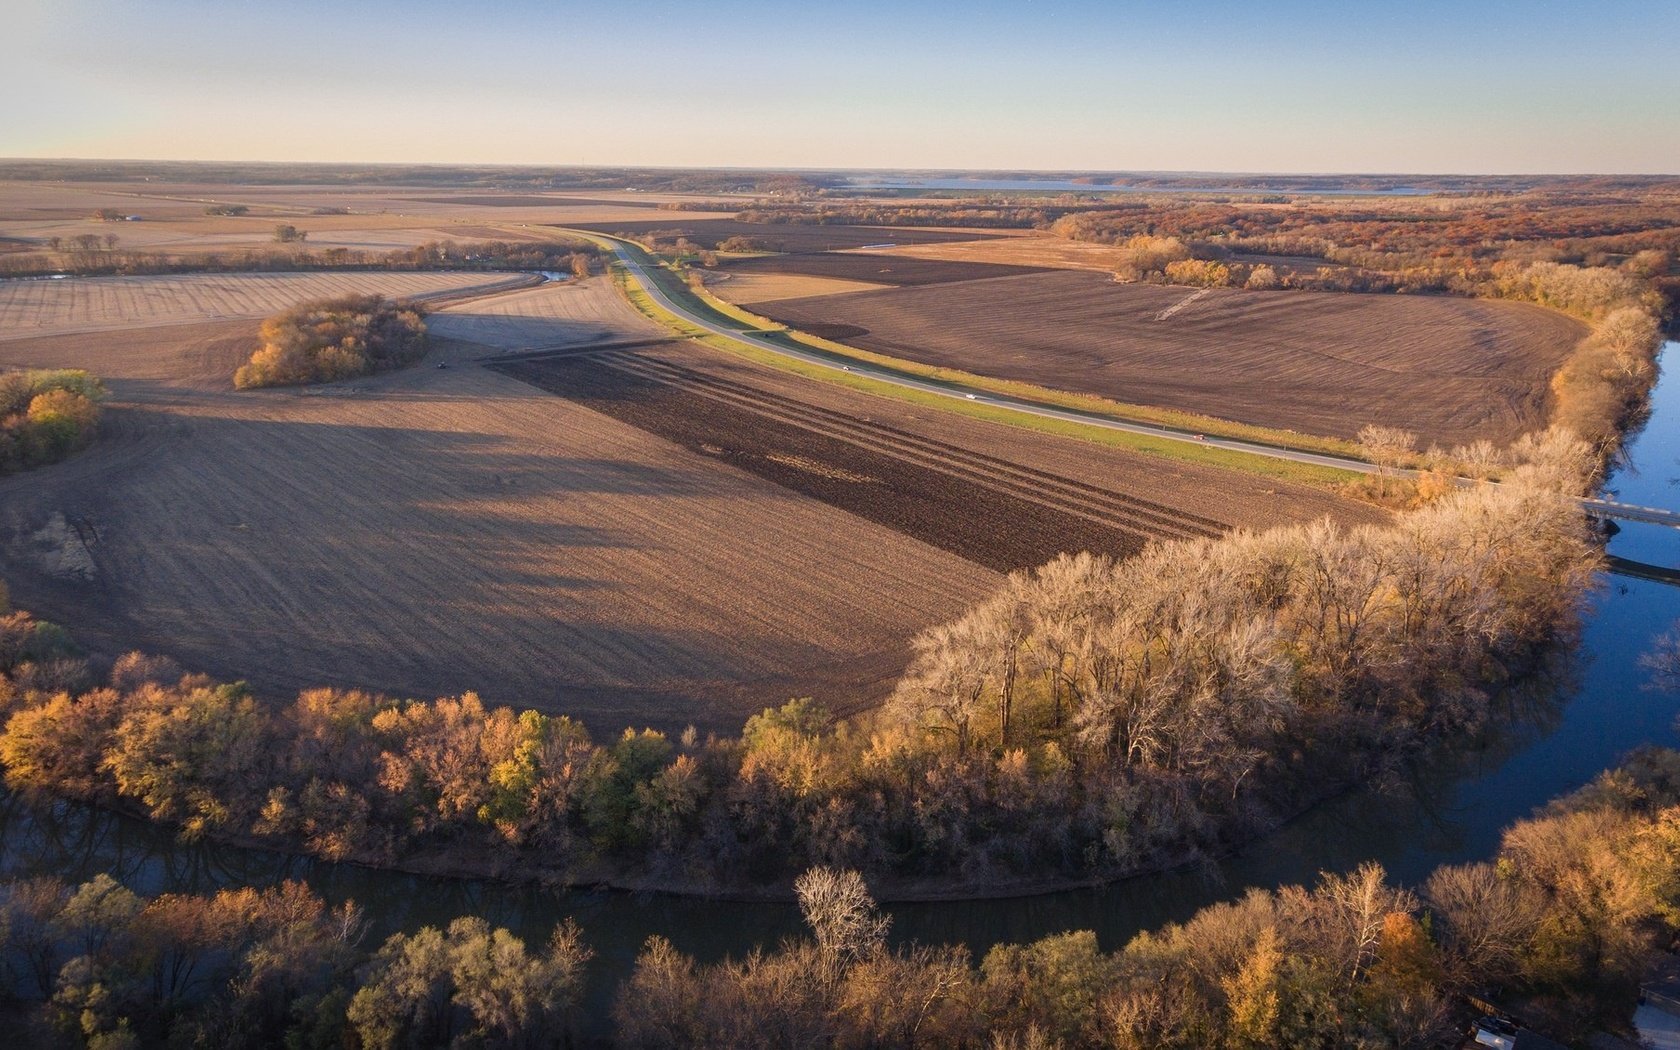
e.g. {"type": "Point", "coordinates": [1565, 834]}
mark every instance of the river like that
{"type": "Point", "coordinates": [1449, 808]}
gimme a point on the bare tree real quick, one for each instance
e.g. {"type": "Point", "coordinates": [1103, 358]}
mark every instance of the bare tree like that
{"type": "Point", "coordinates": [1387, 447]}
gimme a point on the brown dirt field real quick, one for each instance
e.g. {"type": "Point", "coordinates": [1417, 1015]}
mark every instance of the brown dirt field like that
{"type": "Point", "coordinates": [787, 238]}
{"type": "Point", "coordinates": [1452, 370]}
{"type": "Point", "coordinates": [1033, 250]}
{"type": "Point", "coordinates": [1164, 488]}
{"type": "Point", "coordinates": [568, 313]}
{"type": "Point", "coordinates": [435, 531]}
{"type": "Point", "coordinates": [897, 270]}
{"type": "Point", "coordinates": [746, 287]}
{"type": "Point", "coordinates": [83, 304]}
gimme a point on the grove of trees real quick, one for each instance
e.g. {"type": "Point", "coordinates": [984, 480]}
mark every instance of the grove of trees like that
{"type": "Point", "coordinates": [46, 415]}
{"type": "Point", "coordinates": [318, 342]}
{"type": "Point", "coordinates": [1558, 928]}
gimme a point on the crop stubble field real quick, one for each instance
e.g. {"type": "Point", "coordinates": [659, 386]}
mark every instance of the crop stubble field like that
{"type": "Point", "coordinates": [32, 308]}
{"type": "Point", "coordinates": [1451, 370]}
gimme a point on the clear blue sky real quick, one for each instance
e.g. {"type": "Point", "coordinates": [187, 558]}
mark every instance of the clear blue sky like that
{"type": "Point", "coordinates": [1261, 85]}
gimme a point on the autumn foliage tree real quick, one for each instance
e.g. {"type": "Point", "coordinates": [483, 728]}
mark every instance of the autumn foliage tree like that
{"type": "Point", "coordinates": [318, 342]}
{"type": "Point", "coordinates": [46, 415]}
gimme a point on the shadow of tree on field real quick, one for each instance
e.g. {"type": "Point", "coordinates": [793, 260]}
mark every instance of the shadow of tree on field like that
{"type": "Point", "coordinates": [423, 560]}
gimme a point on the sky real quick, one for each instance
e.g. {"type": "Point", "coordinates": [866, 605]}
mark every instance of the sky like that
{"type": "Point", "coordinates": [1169, 85]}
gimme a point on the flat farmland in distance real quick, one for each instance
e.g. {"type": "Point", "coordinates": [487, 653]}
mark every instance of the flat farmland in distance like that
{"type": "Point", "coordinates": [896, 270]}
{"type": "Point", "coordinates": [78, 304]}
{"type": "Point", "coordinates": [781, 237]}
{"type": "Point", "coordinates": [375, 218]}
{"type": "Point", "coordinates": [1452, 370]}
{"type": "Point", "coordinates": [532, 200]}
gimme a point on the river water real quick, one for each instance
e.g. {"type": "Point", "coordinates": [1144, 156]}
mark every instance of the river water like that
{"type": "Point", "coordinates": [1449, 808]}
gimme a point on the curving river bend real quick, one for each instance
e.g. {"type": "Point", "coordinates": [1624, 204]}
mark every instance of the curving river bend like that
{"type": "Point", "coordinates": [1450, 807]}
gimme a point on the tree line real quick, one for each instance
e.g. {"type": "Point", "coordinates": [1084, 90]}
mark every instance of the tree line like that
{"type": "Point", "coordinates": [1092, 718]}
{"type": "Point", "coordinates": [46, 415]}
{"type": "Point", "coordinates": [1558, 929]}
{"type": "Point", "coordinates": [94, 255]}
{"type": "Point", "coordinates": [331, 339]}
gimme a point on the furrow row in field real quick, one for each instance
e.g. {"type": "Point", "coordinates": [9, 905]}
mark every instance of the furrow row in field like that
{"type": "Point", "coordinates": [1048, 490]}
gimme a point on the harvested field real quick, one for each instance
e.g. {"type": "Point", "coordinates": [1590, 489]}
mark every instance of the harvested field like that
{"type": "Point", "coordinates": [567, 313]}
{"type": "Point", "coordinates": [1034, 250]}
{"type": "Point", "coordinates": [84, 304]}
{"type": "Point", "coordinates": [995, 513]}
{"type": "Point", "coordinates": [746, 287]}
{"type": "Point", "coordinates": [782, 238]}
{"type": "Point", "coordinates": [896, 270]}
{"type": "Point", "coordinates": [1322, 363]}
{"type": "Point", "coordinates": [436, 531]}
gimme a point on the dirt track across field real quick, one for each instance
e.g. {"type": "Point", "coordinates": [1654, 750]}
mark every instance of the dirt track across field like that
{"type": "Point", "coordinates": [1451, 370]}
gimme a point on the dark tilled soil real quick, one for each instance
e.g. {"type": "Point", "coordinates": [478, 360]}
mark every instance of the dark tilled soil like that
{"type": "Point", "coordinates": [994, 513]}
{"type": "Point", "coordinates": [898, 270]}
{"type": "Point", "coordinates": [783, 238]}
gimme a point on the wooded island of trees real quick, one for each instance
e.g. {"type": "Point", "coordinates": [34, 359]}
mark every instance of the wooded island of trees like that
{"type": "Point", "coordinates": [319, 342]}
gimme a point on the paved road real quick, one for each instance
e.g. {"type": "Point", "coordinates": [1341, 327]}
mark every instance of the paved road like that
{"type": "Point", "coordinates": [1598, 507]}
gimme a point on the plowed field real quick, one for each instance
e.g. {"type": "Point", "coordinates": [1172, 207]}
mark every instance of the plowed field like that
{"type": "Point", "coordinates": [897, 270]}
{"type": "Point", "coordinates": [1450, 369]}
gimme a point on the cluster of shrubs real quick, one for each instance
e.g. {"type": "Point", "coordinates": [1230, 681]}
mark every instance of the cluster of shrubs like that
{"type": "Point", "coordinates": [318, 342]}
{"type": "Point", "coordinates": [1558, 929]}
{"type": "Point", "coordinates": [45, 416]}
{"type": "Point", "coordinates": [1093, 718]}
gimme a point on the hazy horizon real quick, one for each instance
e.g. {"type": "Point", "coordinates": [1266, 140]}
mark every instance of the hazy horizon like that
{"type": "Point", "coordinates": [1297, 87]}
